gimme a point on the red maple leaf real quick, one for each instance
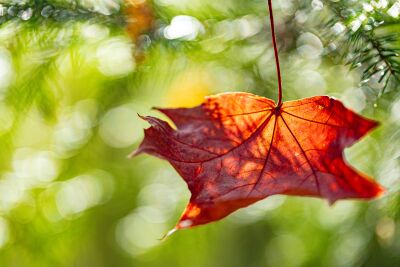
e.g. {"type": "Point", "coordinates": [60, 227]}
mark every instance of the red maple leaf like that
{"type": "Point", "coordinates": [238, 148]}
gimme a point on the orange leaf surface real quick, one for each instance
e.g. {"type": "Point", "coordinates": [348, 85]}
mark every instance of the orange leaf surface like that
{"type": "Point", "coordinates": [237, 148]}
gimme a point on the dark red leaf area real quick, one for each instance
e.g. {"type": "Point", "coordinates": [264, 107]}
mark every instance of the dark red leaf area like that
{"type": "Point", "coordinates": [238, 148]}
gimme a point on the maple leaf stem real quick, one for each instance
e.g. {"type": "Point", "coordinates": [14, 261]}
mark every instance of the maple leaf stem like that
{"type": "Point", "coordinates": [278, 68]}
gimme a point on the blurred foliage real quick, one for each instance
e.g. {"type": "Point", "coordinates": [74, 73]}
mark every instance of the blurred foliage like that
{"type": "Point", "coordinates": [74, 75]}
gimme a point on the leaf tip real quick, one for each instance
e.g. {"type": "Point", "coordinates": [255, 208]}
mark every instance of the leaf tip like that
{"type": "Point", "coordinates": [134, 153]}
{"type": "Point", "coordinates": [376, 124]}
{"type": "Point", "coordinates": [169, 233]}
{"type": "Point", "coordinates": [331, 202]}
{"type": "Point", "coordinates": [141, 116]}
{"type": "Point", "coordinates": [381, 191]}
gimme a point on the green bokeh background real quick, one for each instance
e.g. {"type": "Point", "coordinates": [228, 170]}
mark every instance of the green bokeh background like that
{"type": "Point", "coordinates": [70, 91]}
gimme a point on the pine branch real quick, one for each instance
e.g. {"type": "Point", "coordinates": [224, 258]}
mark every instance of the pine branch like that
{"type": "Point", "coordinates": [368, 42]}
{"type": "Point", "coordinates": [42, 10]}
{"type": "Point", "coordinates": [387, 67]}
